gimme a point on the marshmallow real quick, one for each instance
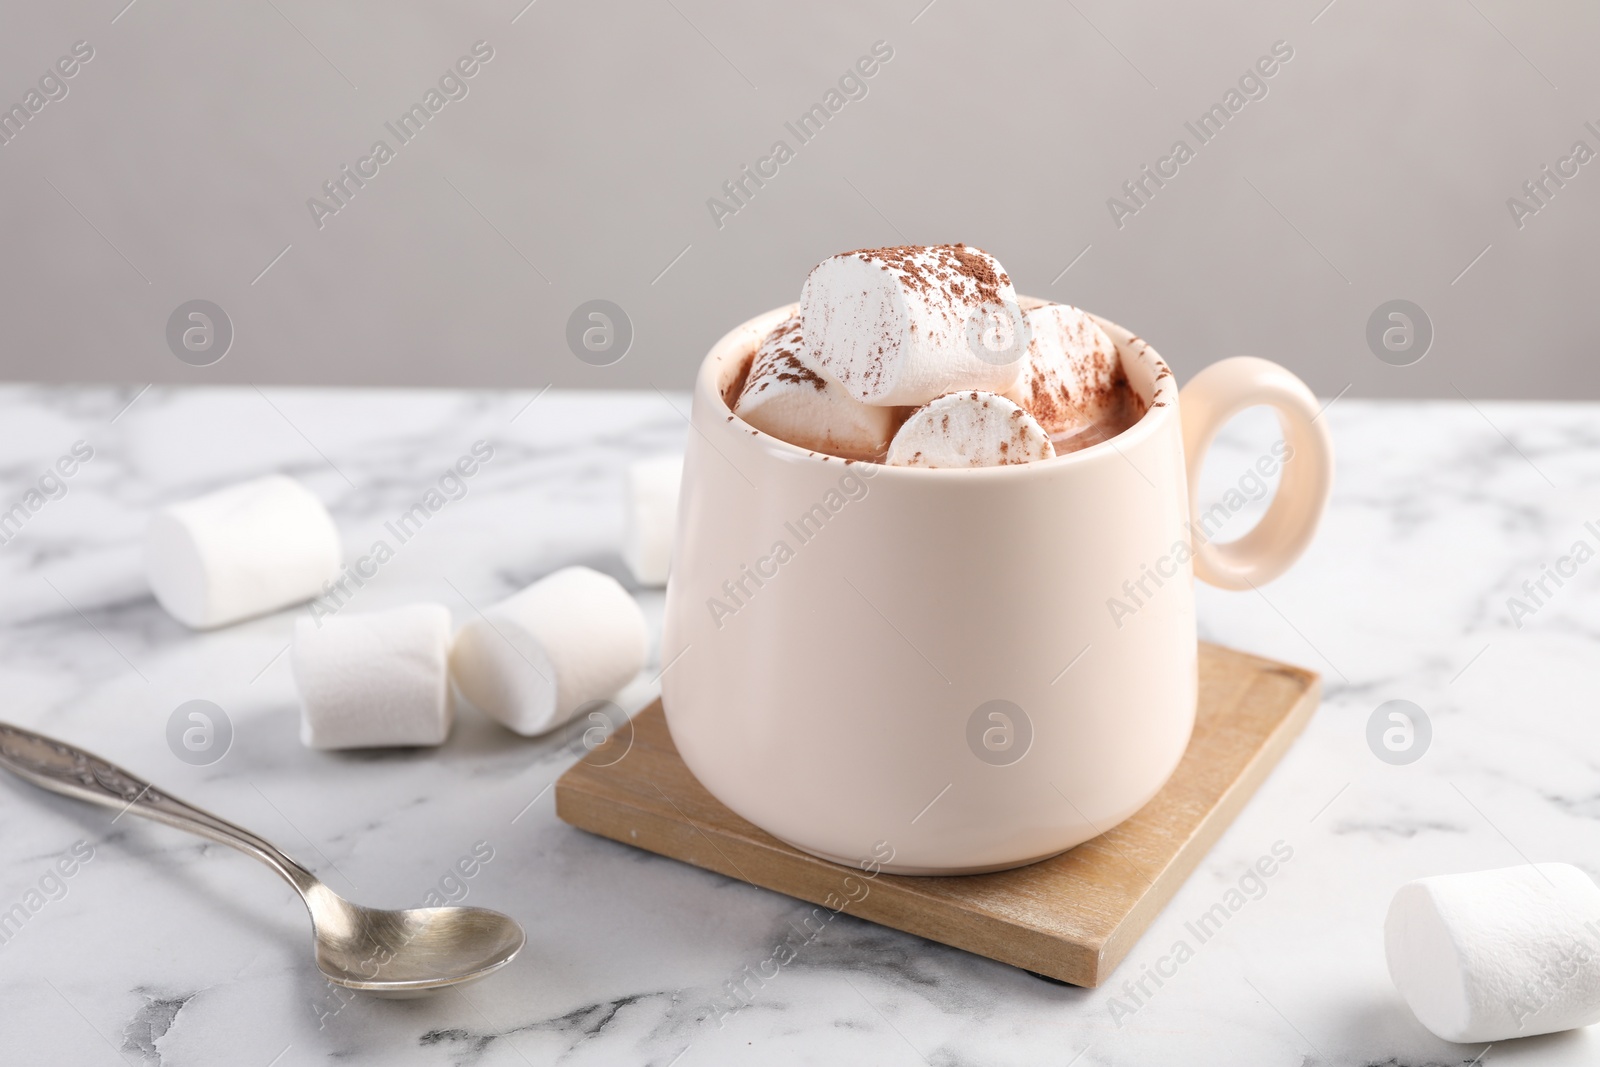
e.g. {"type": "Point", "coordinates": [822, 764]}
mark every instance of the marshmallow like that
{"type": "Point", "coordinates": [784, 397]}
{"type": "Point", "coordinates": [905, 325]}
{"type": "Point", "coordinates": [972, 429]}
{"type": "Point", "coordinates": [241, 551]}
{"type": "Point", "coordinates": [1071, 370]}
{"type": "Point", "coordinates": [1498, 954]}
{"type": "Point", "coordinates": [533, 660]}
{"type": "Point", "coordinates": [375, 679]}
{"type": "Point", "coordinates": [652, 514]}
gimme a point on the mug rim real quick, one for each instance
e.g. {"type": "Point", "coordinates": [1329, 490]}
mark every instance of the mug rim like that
{"type": "Point", "coordinates": [1161, 407]}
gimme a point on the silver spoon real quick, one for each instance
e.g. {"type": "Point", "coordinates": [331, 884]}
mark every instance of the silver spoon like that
{"type": "Point", "coordinates": [388, 953]}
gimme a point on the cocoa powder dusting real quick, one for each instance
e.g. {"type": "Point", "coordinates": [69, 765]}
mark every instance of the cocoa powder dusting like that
{"type": "Point", "coordinates": [790, 369]}
{"type": "Point", "coordinates": [777, 360]}
{"type": "Point", "coordinates": [964, 273]}
{"type": "Point", "coordinates": [981, 269]}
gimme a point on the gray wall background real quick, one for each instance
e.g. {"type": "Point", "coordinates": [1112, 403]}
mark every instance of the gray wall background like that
{"type": "Point", "coordinates": [1377, 167]}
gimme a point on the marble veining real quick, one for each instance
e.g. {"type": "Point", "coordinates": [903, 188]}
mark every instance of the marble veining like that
{"type": "Point", "coordinates": [163, 949]}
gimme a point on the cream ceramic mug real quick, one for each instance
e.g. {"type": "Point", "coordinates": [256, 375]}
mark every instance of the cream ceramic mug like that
{"type": "Point", "coordinates": [958, 670]}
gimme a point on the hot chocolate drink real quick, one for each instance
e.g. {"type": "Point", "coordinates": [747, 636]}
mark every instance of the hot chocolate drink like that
{"type": "Point", "coordinates": [924, 356]}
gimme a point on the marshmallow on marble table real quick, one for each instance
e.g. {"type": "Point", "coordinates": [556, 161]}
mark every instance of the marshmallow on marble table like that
{"type": "Point", "coordinates": [241, 551]}
{"type": "Point", "coordinates": [1071, 370]}
{"type": "Point", "coordinates": [786, 398]}
{"type": "Point", "coordinates": [377, 679]}
{"type": "Point", "coordinates": [1492, 955]}
{"type": "Point", "coordinates": [652, 517]}
{"type": "Point", "coordinates": [971, 429]}
{"type": "Point", "coordinates": [533, 660]}
{"type": "Point", "coordinates": [905, 325]}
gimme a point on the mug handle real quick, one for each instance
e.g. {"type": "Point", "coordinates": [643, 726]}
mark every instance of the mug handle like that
{"type": "Point", "coordinates": [1216, 395]}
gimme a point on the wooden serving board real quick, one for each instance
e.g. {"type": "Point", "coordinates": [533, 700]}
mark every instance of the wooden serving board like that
{"type": "Point", "coordinates": [1072, 917]}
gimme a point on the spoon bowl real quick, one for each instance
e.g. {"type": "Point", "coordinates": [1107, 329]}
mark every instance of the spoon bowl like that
{"type": "Point", "coordinates": [406, 953]}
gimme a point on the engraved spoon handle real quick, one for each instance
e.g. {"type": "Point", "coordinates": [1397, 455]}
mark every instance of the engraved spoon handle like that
{"type": "Point", "coordinates": [70, 771]}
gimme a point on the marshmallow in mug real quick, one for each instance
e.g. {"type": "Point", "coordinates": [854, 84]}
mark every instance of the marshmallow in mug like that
{"type": "Point", "coordinates": [652, 515]}
{"type": "Point", "coordinates": [971, 429]}
{"type": "Point", "coordinates": [533, 660]}
{"type": "Point", "coordinates": [1491, 955]}
{"type": "Point", "coordinates": [241, 551]}
{"type": "Point", "coordinates": [1071, 369]}
{"type": "Point", "coordinates": [786, 398]}
{"type": "Point", "coordinates": [903, 325]}
{"type": "Point", "coordinates": [376, 679]}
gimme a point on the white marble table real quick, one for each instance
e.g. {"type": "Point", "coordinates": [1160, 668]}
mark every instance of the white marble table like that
{"type": "Point", "coordinates": [164, 949]}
